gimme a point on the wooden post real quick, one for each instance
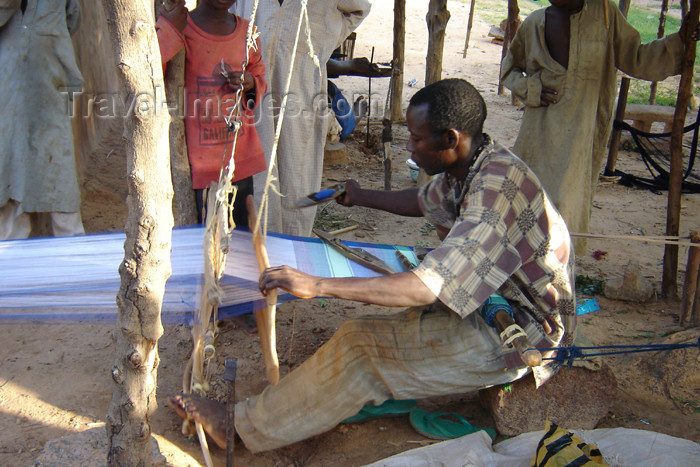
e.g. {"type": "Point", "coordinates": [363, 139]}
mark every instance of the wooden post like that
{"type": "Point", "coordinates": [616, 134]}
{"type": "Point", "coordinates": [437, 19]}
{"type": "Point", "coordinates": [511, 28]}
{"type": "Point", "coordinates": [659, 35]}
{"type": "Point", "coordinates": [620, 111]}
{"type": "Point", "coordinates": [669, 283]}
{"type": "Point", "coordinates": [690, 286]}
{"type": "Point", "coordinates": [469, 29]}
{"type": "Point", "coordinates": [397, 62]}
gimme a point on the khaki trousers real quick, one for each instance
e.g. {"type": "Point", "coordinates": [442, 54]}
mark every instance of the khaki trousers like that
{"type": "Point", "coordinates": [417, 353]}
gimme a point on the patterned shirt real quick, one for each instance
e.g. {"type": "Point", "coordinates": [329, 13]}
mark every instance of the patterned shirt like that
{"type": "Point", "coordinates": [504, 235]}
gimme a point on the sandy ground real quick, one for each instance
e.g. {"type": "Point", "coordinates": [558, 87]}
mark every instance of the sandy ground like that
{"type": "Point", "coordinates": [54, 380]}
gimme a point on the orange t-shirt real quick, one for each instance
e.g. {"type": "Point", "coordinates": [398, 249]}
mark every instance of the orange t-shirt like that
{"type": "Point", "coordinates": [208, 99]}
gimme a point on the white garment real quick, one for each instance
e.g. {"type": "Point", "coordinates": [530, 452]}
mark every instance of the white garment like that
{"type": "Point", "coordinates": [15, 224]}
{"type": "Point", "coordinates": [37, 68]}
{"type": "Point", "coordinates": [300, 153]}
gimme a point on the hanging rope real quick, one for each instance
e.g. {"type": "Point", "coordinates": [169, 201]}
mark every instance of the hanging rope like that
{"type": "Point", "coordinates": [219, 223]}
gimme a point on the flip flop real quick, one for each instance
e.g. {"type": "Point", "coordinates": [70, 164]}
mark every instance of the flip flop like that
{"type": "Point", "coordinates": [390, 408]}
{"type": "Point", "coordinates": [441, 425]}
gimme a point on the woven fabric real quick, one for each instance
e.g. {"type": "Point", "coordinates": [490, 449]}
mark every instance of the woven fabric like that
{"type": "Point", "coordinates": [74, 279]}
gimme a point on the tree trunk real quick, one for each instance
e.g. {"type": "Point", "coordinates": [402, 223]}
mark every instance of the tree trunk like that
{"type": "Point", "coordinates": [146, 264]}
{"type": "Point", "coordinates": [184, 204]}
{"type": "Point", "coordinates": [398, 62]}
{"type": "Point", "coordinates": [437, 19]}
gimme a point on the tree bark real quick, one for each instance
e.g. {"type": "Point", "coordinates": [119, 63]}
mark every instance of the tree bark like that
{"type": "Point", "coordinates": [398, 62]}
{"type": "Point", "coordinates": [437, 19]}
{"type": "Point", "coordinates": [146, 265]}
{"type": "Point", "coordinates": [669, 282]}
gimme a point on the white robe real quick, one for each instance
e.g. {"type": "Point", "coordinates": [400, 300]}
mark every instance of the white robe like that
{"type": "Point", "coordinates": [300, 153]}
{"type": "Point", "coordinates": [37, 67]}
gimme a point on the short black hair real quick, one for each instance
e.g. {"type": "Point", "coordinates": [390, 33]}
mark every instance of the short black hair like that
{"type": "Point", "coordinates": [452, 103]}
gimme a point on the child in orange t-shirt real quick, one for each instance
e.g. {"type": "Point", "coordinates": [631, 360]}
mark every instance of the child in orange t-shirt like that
{"type": "Point", "coordinates": [215, 48]}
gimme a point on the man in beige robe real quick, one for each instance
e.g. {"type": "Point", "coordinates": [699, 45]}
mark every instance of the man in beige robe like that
{"type": "Point", "coordinates": [37, 159]}
{"type": "Point", "coordinates": [568, 115]}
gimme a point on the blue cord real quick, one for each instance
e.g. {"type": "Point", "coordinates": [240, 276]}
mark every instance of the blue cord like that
{"type": "Point", "coordinates": [568, 354]}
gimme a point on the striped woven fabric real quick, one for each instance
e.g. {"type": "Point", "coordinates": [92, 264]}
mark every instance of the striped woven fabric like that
{"type": "Point", "coordinates": [76, 279]}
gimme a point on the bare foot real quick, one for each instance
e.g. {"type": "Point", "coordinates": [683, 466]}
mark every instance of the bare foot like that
{"type": "Point", "coordinates": [210, 414]}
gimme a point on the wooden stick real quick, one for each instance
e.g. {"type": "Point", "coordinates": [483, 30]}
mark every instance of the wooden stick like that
{"type": "Point", "coordinates": [344, 229]}
{"type": "Point", "coordinates": [639, 238]}
{"type": "Point", "coordinates": [691, 281]}
{"type": "Point", "coordinates": [230, 367]}
{"type": "Point", "coordinates": [469, 28]}
{"type": "Point", "coordinates": [265, 318]}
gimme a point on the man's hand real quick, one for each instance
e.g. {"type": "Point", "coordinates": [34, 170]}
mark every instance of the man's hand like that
{"type": "Point", "coordinates": [349, 197]}
{"type": "Point", "coordinates": [687, 36]}
{"type": "Point", "coordinates": [363, 67]}
{"type": "Point", "coordinates": [233, 79]}
{"type": "Point", "coordinates": [177, 15]}
{"type": "Point", "coordinates": [547, 97]}
{"type": "Point", "coordinates": [289, 279]}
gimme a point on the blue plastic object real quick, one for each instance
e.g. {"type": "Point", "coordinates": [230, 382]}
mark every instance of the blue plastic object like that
{"type": "Point", "coordinates": [587, 306]}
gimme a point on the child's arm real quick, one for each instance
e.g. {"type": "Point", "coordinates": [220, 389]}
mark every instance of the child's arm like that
{"type": "Point", "coordinates": [169, 28]}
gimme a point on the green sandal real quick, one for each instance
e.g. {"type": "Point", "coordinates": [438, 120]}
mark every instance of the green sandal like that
{"type": "Point", "coordinates": [439, 426]}
{"type": "Point", "coordinates": [390, 408]}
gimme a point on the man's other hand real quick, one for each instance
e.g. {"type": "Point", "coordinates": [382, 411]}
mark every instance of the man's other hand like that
{"type": "Point", "coordinates": [289, 279]}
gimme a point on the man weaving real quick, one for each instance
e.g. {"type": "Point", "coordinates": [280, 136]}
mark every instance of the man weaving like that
{"type": "Point", "coordinates": [501, 233]}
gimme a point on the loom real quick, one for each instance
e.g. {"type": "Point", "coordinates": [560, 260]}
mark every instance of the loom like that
{"type": "Point", "coordinates": [76, 279]}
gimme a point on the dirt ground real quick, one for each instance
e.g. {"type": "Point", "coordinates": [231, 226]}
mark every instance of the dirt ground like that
{"type": "Point", "coordinates": [54, 379]}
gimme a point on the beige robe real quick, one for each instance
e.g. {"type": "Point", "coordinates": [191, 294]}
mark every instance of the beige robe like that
{"type": "Point", "coordinates": [300, 153]}
{"type": "Point", "coordinates": [565, 143]}
{"type": "Point", "coordinates": [37, 67]}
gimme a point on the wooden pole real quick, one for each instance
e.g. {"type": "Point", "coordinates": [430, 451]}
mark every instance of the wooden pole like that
{"type": "Point", "coordinates": [690, 285]}
{"type": "Point", "coordinates": [616, 134]}
{"type": "Point", "coordinates": [511, 28]}
{"type": "Point", "coordinates": [397, 62]}
{"type": "Point", "coordinates": [620, 111]}
{"type": "Point", "coordinates": [469, 28]}
{"type": "Point", "coordinates": [669, 283]}
{"type": "Point", "coordinates": [437, 19]}
{"type": "Point", "coordinates": [265, 318]}
{"type": "Point", "coordinates": [659, 34]}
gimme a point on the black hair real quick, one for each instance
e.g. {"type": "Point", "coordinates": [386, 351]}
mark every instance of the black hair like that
{"type": "Point", "coordinates": [452, 103]}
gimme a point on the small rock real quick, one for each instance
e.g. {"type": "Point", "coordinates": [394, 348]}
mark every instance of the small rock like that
{"type": "Point", "coordinates": [574, 398]}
